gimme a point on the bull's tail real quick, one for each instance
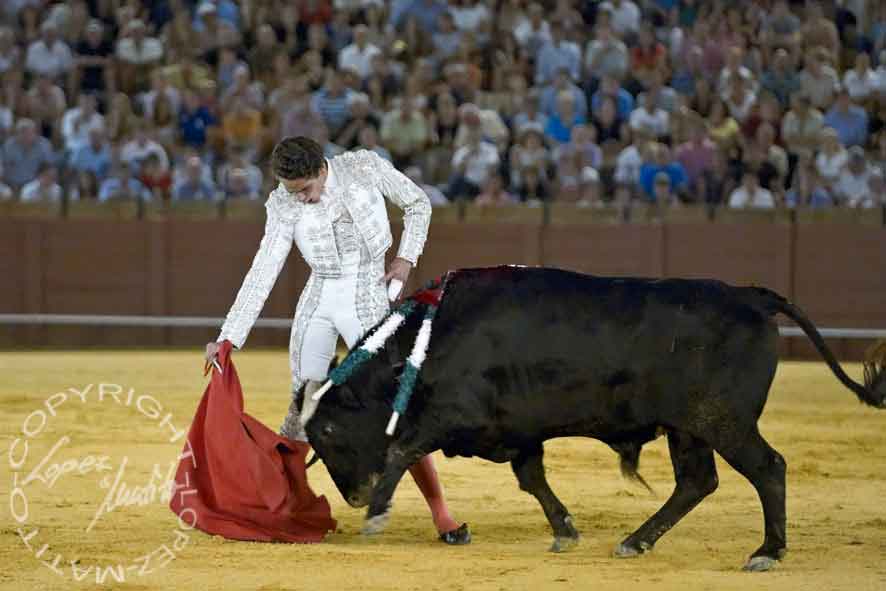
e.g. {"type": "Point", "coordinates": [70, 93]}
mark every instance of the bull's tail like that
{"type": "Point", "coordinates": [629, 454]}
{"type": "Point", "coordinates": [873, 391]}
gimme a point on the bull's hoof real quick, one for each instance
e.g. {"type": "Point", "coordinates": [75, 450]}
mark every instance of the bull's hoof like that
{"type": "Point", "coordinates": [628, 551]}
{"type": "Point", "coordinates": [759, 564]}
{"type": "Point", "coordinates": [564, 544]}
{"type": "Point", "coordinates": [457, 537]}
{"type": "Point", "coordinates": [375, 525]}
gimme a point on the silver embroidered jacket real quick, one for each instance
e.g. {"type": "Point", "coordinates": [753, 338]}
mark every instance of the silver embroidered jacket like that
{"type": "Point", "coordinates": [363, 180]}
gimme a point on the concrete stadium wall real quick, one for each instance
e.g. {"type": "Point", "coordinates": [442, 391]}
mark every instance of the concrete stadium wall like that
{"type": "Point", "coordinates": [835, 270]}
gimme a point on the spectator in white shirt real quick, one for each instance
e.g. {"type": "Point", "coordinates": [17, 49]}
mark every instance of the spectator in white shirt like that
{"type": "Point", "coordinates": [649, 118]}
{"type": "Point", "coordinates": [851, 187]}
{"type": "Point", "coordinates": [861, 81]}
{"type": "Point", "coordinates": [77, 122]}
{"type": "Point", "coordinates": [136, 150]}
{"type": "Point", "coordinates": [832, 158]}
{"type": "Point", "coordinates": [137, 54]}
{"type": "Point", "coordinates": [358, 55]}
{"type": "Point", "coordinates": [625, 16]}
{"type": "Point", "coordinates": [533, 32]}
{"type": "Point", "coordinates": [43, 188]}
{"type": "Point", "coordinates": [49, 55]}
{"type": "Point", "coordinates": [470, 15]}
{"type": "Point", "coordinates": [471, 167]}
{"type": "Point", "coordinates": [750, 195]}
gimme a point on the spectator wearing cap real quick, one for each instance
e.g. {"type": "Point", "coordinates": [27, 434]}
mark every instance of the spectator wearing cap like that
{"type": "Point", "coordinates": [213, 32]}
{"type": "Point", "coordinates": [361, 116]}
{"type": "Point", "coordinates": [818, 80]}
{"type": "Point", "coordinates": [404, 131]}
{"type": "Point", "coordinates": [606, 55]}
{"type": "Point", "coordinates": [556, 54]}
{"type": "Point", "coordinates": [140, 146]}
{"type": "Point", "coordinates": [49, 55]}
{"type": "Point", "coordinates": [624, 16]}
{"type": "Point", "coordinates": [194, 121]}
{"type": "Point", "coordinates": [852, 187]}
{"type": "Point", "coordinates": [192, 185]}
{"type": "Point", "coordinates": [358, 55]}
{"type": "Point", "coordinates": [331, 102]}
{"type": "Point", "coordinates": [610, 87]}
{"type": "Point", "coordinates": [801, 127]}
{"type": "Point", "coordinates": [781, 78]}
{"type": "Point", "coordinates": [137, 54]}
{"type": "Point", "coordinates": [92, 60]}
{"type": "Point", "coordinates": [43, 188]}
{"type": "Point", "coordinates": [563, 83]}
{"type": "Point", "coordinates": [529, 151]}
{"type": "Point", "coordinates": [46, 105]}
{"type": "Point", "coordinates": [750, 195]}
{"type": "Point", "coordinates": [25, 154]}
{"type": "Point", "coordinates": [122, 185]}
{"type": "Point", "coordinates": [93, 155]}
{"type": "Point", "coordinates": [79, 121]}
{"type": "Point", "coordinates": [850, 121]}
{"type": "Point", "coordinates": [832, 157]}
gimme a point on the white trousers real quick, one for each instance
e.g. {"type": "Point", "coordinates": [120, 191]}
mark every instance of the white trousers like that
{"type": "Point", "coordinates": [336, 314]}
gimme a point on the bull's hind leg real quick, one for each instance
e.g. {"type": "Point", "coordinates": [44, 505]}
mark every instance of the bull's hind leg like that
{"type": "Point", "coordinates": [696, 477]}
{"type": "Point", "coordinates": [530, 472]}
{"type": "Point", "coordinates": [765, 468]}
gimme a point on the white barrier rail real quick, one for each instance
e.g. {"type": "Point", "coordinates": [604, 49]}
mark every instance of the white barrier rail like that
{"type": "Point", "coordinates": [286, 323]}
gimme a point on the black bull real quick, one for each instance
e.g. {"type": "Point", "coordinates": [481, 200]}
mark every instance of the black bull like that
{"type": "Point", "coordinates": [522, 355]}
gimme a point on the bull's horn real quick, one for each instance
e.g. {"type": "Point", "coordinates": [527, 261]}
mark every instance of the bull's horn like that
{"type": "Point", "coordinates": [323, 390]}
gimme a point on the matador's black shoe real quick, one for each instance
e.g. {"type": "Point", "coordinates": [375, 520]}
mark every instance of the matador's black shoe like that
{"type": "Point", "coordinates": [457, 537]}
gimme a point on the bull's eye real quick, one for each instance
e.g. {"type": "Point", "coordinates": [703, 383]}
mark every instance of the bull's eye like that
{"type": "Point", "coordinates": [327, 429]}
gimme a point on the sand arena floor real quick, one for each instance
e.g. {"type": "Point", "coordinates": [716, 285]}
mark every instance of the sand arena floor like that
{"type": "Point", "coordinates": [835, 449]}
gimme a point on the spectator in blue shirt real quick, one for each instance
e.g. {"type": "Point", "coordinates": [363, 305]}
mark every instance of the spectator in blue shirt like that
{"type": "Point", "coordinates": [662, 163]}
{"type": "Point", "coordinates": [850, 121]}
{"type": "Point", "coordinates": [331, 102]}
{"type": "Point", "coordinates": [624, 102]}
{"type": "Point", "coordinates": [25, 153]}
{"type": "Point", "coordinates": [193, 186]}
{"type": "Point", "coordinates": [122, 186]}
{"type": "Point", "coordinates": [193, 120]}
{"type": "Point", "coordinates": [425, 12]}
{"type": "Point", "coordinates": [560, 124]}
{"type": "Point", "coordinates": [563, 82]}
{"type": "Point", "coordinates": [556, 54]}
{"type": "Point", "coordinates": [94, 156]}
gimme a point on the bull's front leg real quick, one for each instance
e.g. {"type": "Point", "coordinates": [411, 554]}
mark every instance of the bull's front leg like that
{"type": "Point", "coordinates": [398, 461]}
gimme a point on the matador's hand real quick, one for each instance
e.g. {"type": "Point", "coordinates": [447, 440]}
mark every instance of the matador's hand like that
{"type": "Point", "coordinates": [398, 269]}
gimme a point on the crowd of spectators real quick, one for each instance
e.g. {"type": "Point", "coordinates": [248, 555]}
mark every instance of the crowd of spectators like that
{"type": "Point", "coordinates": [746, 103]}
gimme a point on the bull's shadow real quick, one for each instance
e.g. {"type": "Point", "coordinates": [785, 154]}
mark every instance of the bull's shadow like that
{"type": "Point", "coordinates": [521, 355]}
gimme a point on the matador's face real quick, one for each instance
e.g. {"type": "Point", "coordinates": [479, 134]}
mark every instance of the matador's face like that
{"type": "Point", "coordinates": [306, 190]}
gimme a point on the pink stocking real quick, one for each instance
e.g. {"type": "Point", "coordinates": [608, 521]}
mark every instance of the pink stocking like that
{"type": "Point", "coordinates": [425, 477]}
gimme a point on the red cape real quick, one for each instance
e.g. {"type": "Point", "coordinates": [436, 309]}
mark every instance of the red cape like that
{"type": "Point", "coordinates": [239, 479]}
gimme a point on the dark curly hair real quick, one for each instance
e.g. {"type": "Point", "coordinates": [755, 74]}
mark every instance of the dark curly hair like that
{"type": "Point", "coordinates": [297, 157]}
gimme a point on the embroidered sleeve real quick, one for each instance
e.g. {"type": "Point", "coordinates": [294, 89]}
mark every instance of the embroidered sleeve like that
{"type": "Point", "coordinates": [406, 195]}
{"type": "Point", "coordinates": [269, 260]}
